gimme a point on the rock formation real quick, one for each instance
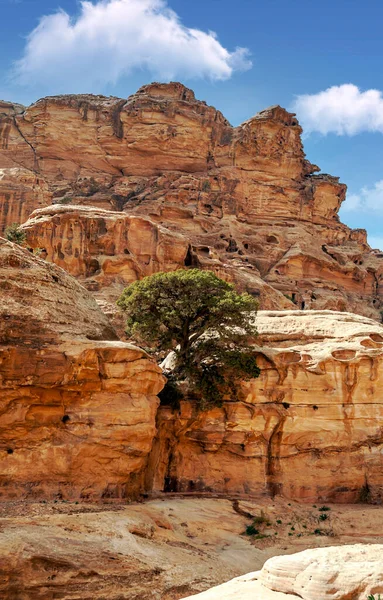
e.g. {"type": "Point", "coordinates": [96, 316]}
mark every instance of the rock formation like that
{"type": "Point", "coordinates": [77, 407]}
{"type": "Point", "coordinates": [123, 188]}
{"type": "Point", "coordinates": [321, 574]}
{"type": "Point", "coordinates": [245, 199]}
{"type": "Point", "coordinates": [310, 427]}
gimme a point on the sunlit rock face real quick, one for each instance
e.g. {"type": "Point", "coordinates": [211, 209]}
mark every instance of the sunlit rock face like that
{"type": "Point", "coordinates": [77, 406]}
{"type": "Point", "coordinates": [310, 427]}
{"type": "Point", "coordinates": [319, 574]}
{"type": "Point", "coordinates": [245, 199]}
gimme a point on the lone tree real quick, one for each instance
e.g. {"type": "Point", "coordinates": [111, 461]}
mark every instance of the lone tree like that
{"type": "Point", "coordinates": [206, 324]}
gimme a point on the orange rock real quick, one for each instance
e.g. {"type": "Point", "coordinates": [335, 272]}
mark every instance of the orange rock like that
{"type": "Point", "coordinates": [308, 428]}
{"type": "Point", "coordinates": [244, 198]}
{"type": "Point", "coordinates": [78, 409]}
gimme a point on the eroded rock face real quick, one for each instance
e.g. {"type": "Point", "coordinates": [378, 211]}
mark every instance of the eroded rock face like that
{"type": "Point", "coordinates": [320, 574]}
{"type": "Point", "coordinates": [310, 427]}
{"type": "Point", "coordinates": [244, 198]}
{"type": "Point", "coordinates": [105, 250]}
{"type": "Point", "coordinates": [77, 407]}
{"type": "Point", "coordinates": [21, 192]}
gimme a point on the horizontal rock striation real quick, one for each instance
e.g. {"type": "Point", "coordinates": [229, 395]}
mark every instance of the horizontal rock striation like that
{"type": "Point", "coordinates": [310, 427]}
{"type": "Point", "coordinates": [78, 407]}
{"type": "Point", "coordinates": [245, 199]}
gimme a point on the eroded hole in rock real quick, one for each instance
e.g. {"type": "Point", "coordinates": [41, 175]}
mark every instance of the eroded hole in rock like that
{"type": "Point", "coordinates": [285, 404]}
{"type": "Point", "coordinates": [55, 278]}
{"type": "Point", "coordinates": [65, 418]}
{"type": "Point", "coordinates": [9, 451]}
{"type": "Point", "coordinates": [126, 251]}
{"type": "Point", "coordinates": [93, 267]}
{"type": "Point", "coordinates": [189, 258]}
{"type": "Point", "coordinates": [376, 337]}
{"type": "Point", "coordinates": [272, 239]}
{"type": "Point", "coordinates": [315, 407]}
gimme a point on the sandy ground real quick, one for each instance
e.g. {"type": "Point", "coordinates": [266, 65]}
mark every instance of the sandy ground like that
{"type": "Point", "coordinates": [181, 546]}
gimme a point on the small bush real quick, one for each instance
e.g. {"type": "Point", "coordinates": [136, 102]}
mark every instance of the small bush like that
{"type": "Point", "coordinates": [372, 597]}
{"type": "Point", "coordinates": [251, 530]}
{"type": "Point", "coordinates": [14, 234]}
{"type": "Point", "coordinates": [324, 508]}
{"type": "Point", "coordinates": [323, 517]}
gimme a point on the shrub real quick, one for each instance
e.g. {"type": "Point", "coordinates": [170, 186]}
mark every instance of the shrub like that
{"type": "Point", "coordinates": [324, 508]}
{"type": "Point", "coordinates": [14, 234]}
{"type": "Point", "coordinates": [251, 530]}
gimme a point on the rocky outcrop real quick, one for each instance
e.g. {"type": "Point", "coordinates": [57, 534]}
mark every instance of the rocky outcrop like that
{"type": "Point", "coordinates": [321, 574]}
{"type": "Point", "coordinates": [78, 407]}
{"type": "Point", "coordinates": [310, 427]}
{"type": "Point", "coordinates": [244, 198]}
{"type": "Point", "coordinates": [105, 250]}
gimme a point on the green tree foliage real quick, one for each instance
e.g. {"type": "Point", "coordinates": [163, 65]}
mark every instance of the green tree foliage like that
{"type": "Point", "coordinates": [204, 321]}
{"type": "Point", "coordinates": [14, 234]}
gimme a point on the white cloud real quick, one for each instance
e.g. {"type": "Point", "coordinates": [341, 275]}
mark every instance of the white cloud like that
{"type": "Point", "coordinates": [111, 38]}
{"type": "Point", "coordinates": [343, 109]}
{"type": "Point", "coordinates": [367, 200]}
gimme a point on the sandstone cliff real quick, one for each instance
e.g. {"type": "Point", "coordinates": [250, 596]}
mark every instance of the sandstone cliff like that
{"type": "Point", "coordinates": [77, 408]}
{"type": "Point", "coordinates": [245, 199]}
{"type": "Point", "coordinates": [310, 427]}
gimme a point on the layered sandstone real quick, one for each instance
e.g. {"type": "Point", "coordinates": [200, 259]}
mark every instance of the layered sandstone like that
{"type": "Point", "coordinates": [244, 198]}
{"type": "Point", "coordinates": [77, 407]}
{"type": "Point", "coordinates": [309, 428]}
{"type": "Point", "coordinates": [106, 250]}
{"type": "Point", "coordinates": [321, 574]}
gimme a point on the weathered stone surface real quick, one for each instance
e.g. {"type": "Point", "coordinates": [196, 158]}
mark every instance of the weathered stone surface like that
{"type": "Point", "coordinates": [159, 550]}
{"type": "Point", "coordinates": [310, 427]}
{"type": "Point", "coordinates": [78, 411]}
{"type": "Point", "coordinates": [21, 192]}
{"type": "Point", "coordinates": [245, 198]}
{"type": "Point", "coordinates": [105, 250]}
{"type": "Point", "coordinates": [338, 573]}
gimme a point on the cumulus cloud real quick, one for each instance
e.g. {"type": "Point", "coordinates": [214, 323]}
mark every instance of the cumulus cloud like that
{"type": "Point", "coordinates": [343, 110]}
{"type": "Point", "coordinates": [111, 38]}
{"type": "Point", "coordinates": [368, 199]}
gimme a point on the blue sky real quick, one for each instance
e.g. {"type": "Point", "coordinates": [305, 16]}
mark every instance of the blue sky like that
{"type": "Point", "coordinates": [293, 52]}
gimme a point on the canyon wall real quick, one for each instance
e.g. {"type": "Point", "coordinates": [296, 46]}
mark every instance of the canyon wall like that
{"type": "Point", "coordinates": [78, 407]}
{"type": "Point", "coordinates": [309, 428]}
{"type": "Point", "coordinates": [112, 190]}
{"type": "Point", "coordinates": [245, 199]}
